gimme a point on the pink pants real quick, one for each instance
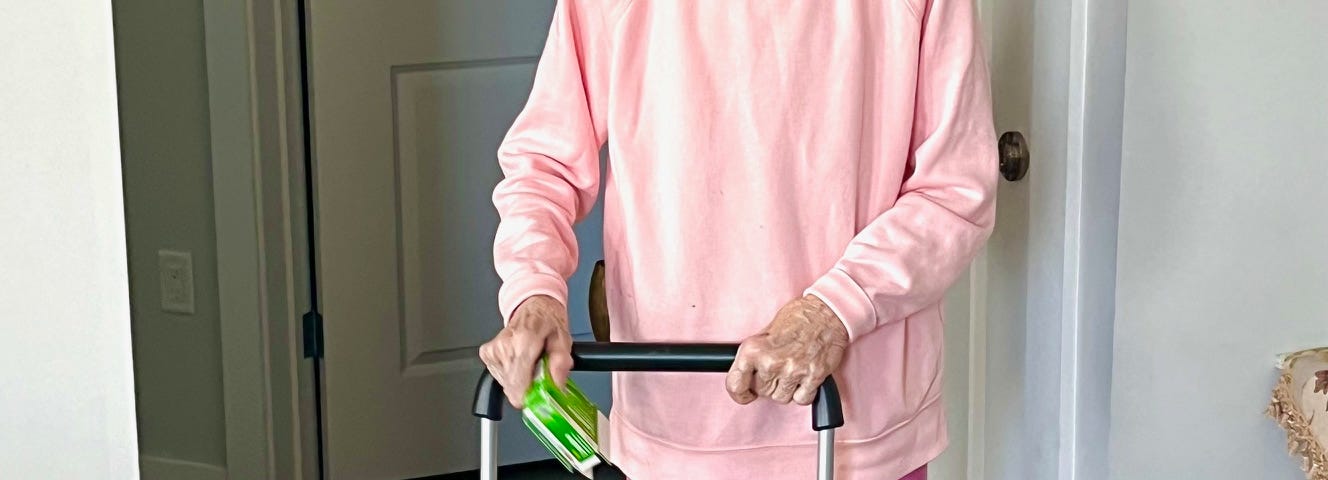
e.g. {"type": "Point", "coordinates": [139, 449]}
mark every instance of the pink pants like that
{"type": "Point", "coordinates": [919, 474]}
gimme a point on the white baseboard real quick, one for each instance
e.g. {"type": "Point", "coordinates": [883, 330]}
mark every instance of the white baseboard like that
{"type": "Point", "coordinates": [162, 468]}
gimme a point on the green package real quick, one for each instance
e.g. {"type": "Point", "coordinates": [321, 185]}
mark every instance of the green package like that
{"type": "Point", "coordinates": [565, 421]}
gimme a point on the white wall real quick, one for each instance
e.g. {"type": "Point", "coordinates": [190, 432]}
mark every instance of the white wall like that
{"type": "Point", "coordinates": [1223, 247]}
{"type": "Point", "coordinates": [163, 95]}
{"type": "Point", "coordinates": [66, 384]}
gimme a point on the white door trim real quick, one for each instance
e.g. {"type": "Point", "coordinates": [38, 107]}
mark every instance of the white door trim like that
{"type": "Point", "coordinates": [1096, 64]}
{"type": "Point", "coordinates": [1092, 198]}
{"type": "Point", "coordinates": [254, 99]}
{"type": "Point", "coordinates": [977, 323]}
{"type": "Point", "coordinates": [239, 255]}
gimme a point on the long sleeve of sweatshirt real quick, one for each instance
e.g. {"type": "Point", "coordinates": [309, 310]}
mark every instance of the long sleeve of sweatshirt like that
{"type": "Point", "coordinates": [905, 259]}
{"type": "Point", "coordinates": [550, 158]}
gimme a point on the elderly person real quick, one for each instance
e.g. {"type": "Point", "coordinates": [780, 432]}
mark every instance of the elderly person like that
{"type": "Point", "coordinates": [807, 177]}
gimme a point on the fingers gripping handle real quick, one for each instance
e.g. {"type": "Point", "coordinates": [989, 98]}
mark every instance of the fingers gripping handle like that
{"type": "Point", "coordinates": [827, 412]}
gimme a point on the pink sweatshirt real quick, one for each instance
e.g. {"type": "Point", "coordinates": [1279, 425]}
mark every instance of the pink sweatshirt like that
{"type": "Point", "coordinates": [759, 150]}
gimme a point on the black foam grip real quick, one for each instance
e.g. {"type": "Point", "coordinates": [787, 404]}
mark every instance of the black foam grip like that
{"type": "Point", "coordinates": [827, 410]}
{"type": "Point", "coordinates": [488, 398]}
{"type": "Point", "coordinates": [653, 357]}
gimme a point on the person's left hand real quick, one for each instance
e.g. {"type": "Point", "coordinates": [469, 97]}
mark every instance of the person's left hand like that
{"type": "Point", "coordinates": [790, 358]}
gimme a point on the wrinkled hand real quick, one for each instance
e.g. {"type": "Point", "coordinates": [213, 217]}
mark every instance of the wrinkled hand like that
{"type": "Point", "coordinates": [538, 327]}
{"type": "Point", "coordinates": [791, 357]}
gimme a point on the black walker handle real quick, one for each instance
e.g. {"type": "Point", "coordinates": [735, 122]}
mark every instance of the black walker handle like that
{"type": "Point", "coordinates": [827, 412]}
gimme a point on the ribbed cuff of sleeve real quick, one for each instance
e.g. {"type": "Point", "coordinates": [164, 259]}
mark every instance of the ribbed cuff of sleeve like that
{"type": "Point", "coordinates": [848, 300]}
{"type": "Point", "coordinates": [517, 290]}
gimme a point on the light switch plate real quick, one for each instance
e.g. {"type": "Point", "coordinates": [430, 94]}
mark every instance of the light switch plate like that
{"type": "Point", "coordinates": [176, 270]}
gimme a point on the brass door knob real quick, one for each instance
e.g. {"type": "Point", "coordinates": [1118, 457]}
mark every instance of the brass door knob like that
{"type": "Point", "coordinates": [1014, 156]}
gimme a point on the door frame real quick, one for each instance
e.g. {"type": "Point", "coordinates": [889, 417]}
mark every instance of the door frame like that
{"type": "Point", "coordinates": [255, 97]}
{"type": "Point", "coordinates": [1093, 72]}
{"type": "Point", "coordinates": [255, 101]}
{"type": "Point", "coordinates": [1095, 110]}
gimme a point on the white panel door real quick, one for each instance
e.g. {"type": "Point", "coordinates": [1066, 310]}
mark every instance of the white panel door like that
{"type": "Point", "coordinates": [410, 100]}
{"type": "Point", "coordinates": [985, 312]}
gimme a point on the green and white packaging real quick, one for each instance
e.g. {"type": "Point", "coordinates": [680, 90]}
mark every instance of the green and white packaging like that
{"type": "Point", "coordinates": [567, 423]}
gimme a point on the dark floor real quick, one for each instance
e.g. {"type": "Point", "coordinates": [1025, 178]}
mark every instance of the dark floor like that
{"type": "Point", "coordinates": [546, 470]}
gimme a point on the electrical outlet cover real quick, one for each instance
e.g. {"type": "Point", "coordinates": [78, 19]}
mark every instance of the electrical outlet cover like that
{"type": "Point", "coordinates": [176, 270]}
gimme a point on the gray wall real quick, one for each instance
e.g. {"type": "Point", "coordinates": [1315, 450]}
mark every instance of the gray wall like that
{"type": "Point", "coordinates": [1223, 252]}
{"type": "Point", "coordinates": [168, 201]}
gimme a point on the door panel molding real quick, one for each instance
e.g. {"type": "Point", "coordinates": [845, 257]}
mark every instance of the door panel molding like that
{"type": "Point", "coordinates": [436, 142]}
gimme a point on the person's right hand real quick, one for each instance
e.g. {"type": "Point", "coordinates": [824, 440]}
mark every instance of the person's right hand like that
{"type": "Point", "coordinates": [538, 328]}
